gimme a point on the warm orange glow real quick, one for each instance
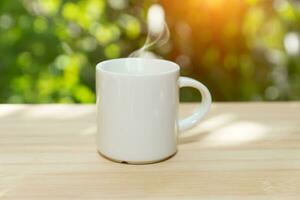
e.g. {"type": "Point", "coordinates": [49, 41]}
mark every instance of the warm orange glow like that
{"type": "Point", "coordinates": [211, 23]}
{"type": "Point", "coordinates": [214, 3]}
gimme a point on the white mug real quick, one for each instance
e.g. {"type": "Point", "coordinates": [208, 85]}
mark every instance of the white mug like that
{"type": "Point", "coordinates": [137, 109]}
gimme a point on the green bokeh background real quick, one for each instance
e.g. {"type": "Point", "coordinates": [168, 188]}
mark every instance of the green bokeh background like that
{"type": "Point", "coordinates": [49, 48]}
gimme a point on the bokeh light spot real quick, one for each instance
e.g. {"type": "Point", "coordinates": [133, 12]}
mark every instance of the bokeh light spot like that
{"type": "Point", "coordinates": [95, 8]}
{"type": "Point", "coordinates": [131, 26]}
{"type": "Point", "coordinates": [112, 51]}
{"type": "Point", "coordinates": [292, 43]}
{"type": "Point", "coordinates": [24, 59]}
{"type": "Point", "coordinates": [104, 34]}
{"type": "Point", "coordinates": [6, 21]}
{"type": "Point", "coordinates": [118, 4]}
{"type": "Point", "coordinates": [62, 61]}
{"type": "Point", "coordinates": [70, 11]}
{"type": "Point", "coordinates": [50, 7]}
{"type": "Point", "coordinates": [272, 93]}
{"type": "Point", "coordinates": [83, 94]}
{"type": "Point", "coordinates": [40, 25]}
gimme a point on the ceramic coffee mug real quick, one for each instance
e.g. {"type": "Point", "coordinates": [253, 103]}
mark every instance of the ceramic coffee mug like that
{"type": "Point", "coordinates": [137, 109]}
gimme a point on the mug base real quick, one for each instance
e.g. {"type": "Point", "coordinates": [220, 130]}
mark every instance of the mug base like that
{"type": "Point", "coordinates": [136, 162]}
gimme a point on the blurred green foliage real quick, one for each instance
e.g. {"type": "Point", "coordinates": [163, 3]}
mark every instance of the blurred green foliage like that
{"type": "Point", "coordinates": [242, 50]}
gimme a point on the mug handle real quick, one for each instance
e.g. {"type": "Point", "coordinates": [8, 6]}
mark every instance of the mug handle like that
{"type": "Point", "coordinates": [191, 121]}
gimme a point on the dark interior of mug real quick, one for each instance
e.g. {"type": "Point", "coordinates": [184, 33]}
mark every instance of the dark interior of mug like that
{"type": "Point", "coordinates": [138, 66]}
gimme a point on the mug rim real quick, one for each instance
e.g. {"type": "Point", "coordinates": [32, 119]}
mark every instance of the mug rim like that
{"type": "Point", "coordinates": [175, 67]}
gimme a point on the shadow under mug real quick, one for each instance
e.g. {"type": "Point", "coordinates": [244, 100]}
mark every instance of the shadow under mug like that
{"type": "Point", "coordinates": [137, 109]}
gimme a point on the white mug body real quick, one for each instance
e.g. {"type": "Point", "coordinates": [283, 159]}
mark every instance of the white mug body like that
{"type": "Point", "coordinates": [137, 104]}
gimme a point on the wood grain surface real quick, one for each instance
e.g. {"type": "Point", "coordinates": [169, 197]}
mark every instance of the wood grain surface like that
{"type": "Point", "coordinates": [239, 151]}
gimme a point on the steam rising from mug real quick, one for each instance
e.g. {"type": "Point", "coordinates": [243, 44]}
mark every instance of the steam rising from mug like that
{"type": "Point", "coordinates": [158, 32]}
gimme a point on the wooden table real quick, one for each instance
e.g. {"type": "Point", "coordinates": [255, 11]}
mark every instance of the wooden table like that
{"type": "Point", "coordinates": [240, 151]}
